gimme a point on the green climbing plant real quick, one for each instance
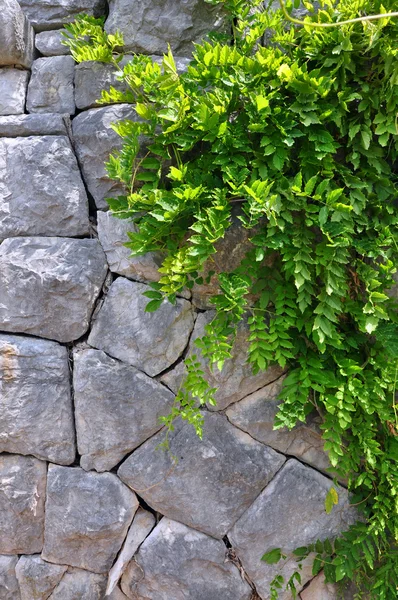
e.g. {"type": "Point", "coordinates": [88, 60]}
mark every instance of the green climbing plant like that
{"type": "Point", "coordinates": [297, 127]}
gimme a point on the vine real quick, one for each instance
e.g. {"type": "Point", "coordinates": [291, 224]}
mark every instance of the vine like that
{"type": "Point", "coordinates": [301, 134]}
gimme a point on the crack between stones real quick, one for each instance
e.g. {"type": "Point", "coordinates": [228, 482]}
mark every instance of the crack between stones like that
{"type": "Point", "coordinates": [232, 557]}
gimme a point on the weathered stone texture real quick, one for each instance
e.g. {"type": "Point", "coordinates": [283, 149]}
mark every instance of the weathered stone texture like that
{"type": "Point", "coordinates": [148, 26]}
{"type": "Point", "coordinates": [87, 518]}
{"type": "Point", "coordinates": [48, 286]}
{"type": "Point", "coordinates": [141, 527]}
{"type": "Point", "coordinates": [179, 563]}
{"type": "Point", "coordinates": [22, 491]}
{"type": "Point", "coordinates": [77, 584]}
{"type": "Point", "coordinates": [256, 415]}
{"type": "Point", "coordinates": [214, 481]}
{"type": "Point", "coordinates": [236, 380]}
{"type": "Point", "coordinates": [51, 86]}
{"type": "Point", "coordinates": [112, 234]}
{"type": "Point", "coordinates": [319, 590]}
{"type": "Point", "coordinates": [35, 124]}
{"type": "Point", "coordinates": [54, 202]}
{"type": "Point", "coordinates": [52, 14]}
{"type": "Point", "coordinates": [149, 341]}
{"type": "Point", "coordinates": [289, 513]}
{"type": "Point", "coordinates": [16, 35]}
{"type": "Point", "coordinates": [37, 578]}
{"type": "Point", "coordinates": [9, 589]}
{"type": "Point", "coordinates": [36, 407]}
{"type": "Point", "coordinates": [49, 43]}
{"type": "Point", "coordinates": [117, 408]}
{"type": "Point", "coordinates": [13, 85]}
{"type": "Point", "coordinates": [94, 141]}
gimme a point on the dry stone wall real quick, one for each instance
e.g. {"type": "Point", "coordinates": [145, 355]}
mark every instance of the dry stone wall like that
{"type": "Point", "coordinates": [89, 507]}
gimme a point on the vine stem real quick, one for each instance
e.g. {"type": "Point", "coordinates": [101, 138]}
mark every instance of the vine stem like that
{"type": "Point", "coordinates": [337, 24]}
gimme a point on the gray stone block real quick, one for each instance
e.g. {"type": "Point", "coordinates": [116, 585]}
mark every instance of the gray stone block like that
{"type": "Point", "coordinates": [214, 481]}
{"type": "Point", "coordinates": [16, 35]}
{"type": "Point", "coordinates": [35, 124]}
{"type": "Point", "coordinates": [148, 26]}
{"type": "Point", "coordinates": [48, 286]}
{"type": "Point", "coordinates": [94, 141]}
{"type": "Point", "coordinates": [77, 584]}
{"type": "Point", "coordinates": [36, 415]}
{"type": "Point", "coordinates": [51, 86]}
{"type": "Point", "coordinates": [49, 43]}
{"type": "Point", "coordinates": [112, 234]}
{"type": "Point", "coordinates": [289, 513]}
{"type": "Point", "coordinates": [87, 518]}
{"type": "Point", "coordinates": [9, 588]}
{"type": "Point", "coordinates": [45, 14]}
{"type": "Point", "coordinates": [13, 85]}
{"type": "Point", "coordinates": [149, 341]}
{"type": "Point", "coordinates": [37, 578]}
{"type": "Point", "coordinates": [179, 563]}
{"type": "Point", "coordinates": [50, 198]}
{"type": "Point", "coordinates": [22, 494]}
{"type": "Point", "coordinates": [117, 408]}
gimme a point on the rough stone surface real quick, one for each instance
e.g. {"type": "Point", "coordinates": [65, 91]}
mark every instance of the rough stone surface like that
{"type": "Point", "coordinates": [87, 518]}
{"type": "Point", "coordinates": [35, 124]}
{"type": "Point", "coordinates": [36, 407]}
{"type": "Point", "coordinates": [49, 43]}
{"type": "Point", "coordinates": [214, 481]}
{"type": "Point", "coordinates": [52, 14]}
{"type": "Point", "coordinates": [94, 141]}
{"type": "Point", "coordinates": [117, 408]}
{"type": "Point", "coordinates": [117, 594]}
{"type": "Point", "coordinates": [179, 563]}
{"type": "Point", "coordinates": [77, 584]}
{"type": "Point", "coordinates": [149, 341]}
{"type": "Point", "coordinates": [141, 527]}
{"type": "Point", "coordinates": [236, 380]}
{"type": "Point", "coordinates": [319, 590]}
{"type": "Point", "coordinates": [54, 202]}
{"type": "Point", "coordinates": [112, 234]}
{"type": "Point", "coordinates": [16, 35]}
{"type": "Point", "coordinates": [256, 414]}
{"type": "Point", "coordinates": [13, 84]}
{"type": "Point", "coordinates": [51, 86]}
{"type": "Point", "coordinates": [290, 512]}
{"type": "Point", "coordinates": [48, 286]}
{"type": "Point", "coordinates": [22, 491]}
{"type": "Point", "coordinates": [9, 589]}
{"type": "Point", "coordinates": [148, 26]}
{"type": "Point", "coordinates": [37, 578]}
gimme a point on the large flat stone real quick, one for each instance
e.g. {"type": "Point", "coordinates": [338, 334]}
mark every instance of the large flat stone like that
{"type": "Point", "coordinates": [77, 584]}
{"type": "Point", "coordinates": [9, 588]}
{"type": "Point", "coordinates": [289, 513]}
{"type": "Point", "coordinates": [236, 380]}
{"type": "Point", "coordinates": [149, 341]}
{"type": "Point", "coordinates": [49, 43]}
{"type": "Point", "coordinates": [214, 481]}
{"type": "Point", "coordinates": [13, 85]}
{"type": "Point", "coordinates": [37, 578]}
{"type": "Point", "coordinates": [94, 141]}
{"type": "Point", "coordinates": [179, 563]}
{"type": "Point", "coordinates": [117, 408]}
{"type": "Point", "coordinates": [256, 415]}
{"type": "Point", "coordinates": [36, 407]}
{"type": "Point", "coordinates": [51, 86]}
{"type": "Point", "coordinates": [48, 286]}
{"type": "Point", "coordinates": [16, 35]}
{"type": "Point", "coordinates": [112, 234]}
{"type": "Point", "coordinates": [87, 518]}
{"type": "Point", "coordinates": [148, 26]}
{"type": "Point", "coordinates": [35, 124]}
{"type": "Point", "coordinates": [45, 14]}
{"type": "Point", "coordinates": [50, 198]}
{"type": "Point", "coordinates": [22, 492]}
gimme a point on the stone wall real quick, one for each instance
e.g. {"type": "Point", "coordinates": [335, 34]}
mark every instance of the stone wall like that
{"type": "Point", "coordinates": [89, 507]}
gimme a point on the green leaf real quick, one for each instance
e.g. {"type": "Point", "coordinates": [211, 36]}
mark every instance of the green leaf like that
{"type": "Point", "coordinates": [273, 556]}
{"type": "Point", "coordinates": [153, 305]}
{"type": "Point", "coordinates": [261, 102]}
{"type": "Point", "coordinates": [331, 499]}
